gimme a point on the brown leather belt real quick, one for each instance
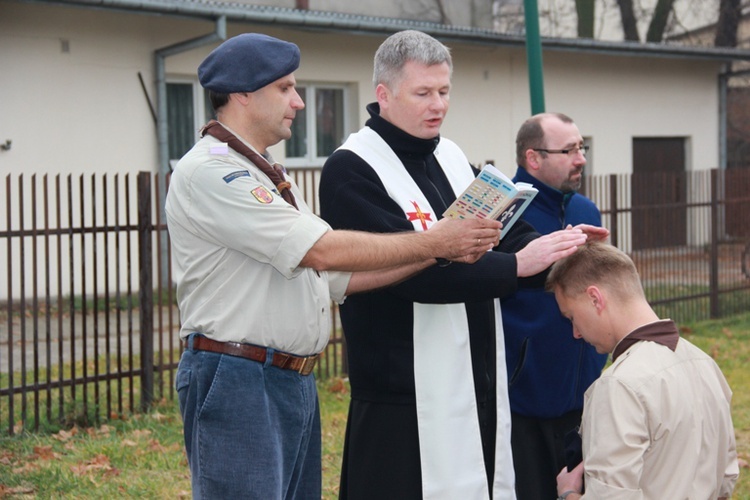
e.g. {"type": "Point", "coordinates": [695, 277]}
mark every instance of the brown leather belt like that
{"type": "Point", "coordinates": [301, 364]}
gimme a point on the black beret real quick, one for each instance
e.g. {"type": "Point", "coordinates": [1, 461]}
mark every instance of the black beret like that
{"type": "Point", "coordinates": [247, 62]}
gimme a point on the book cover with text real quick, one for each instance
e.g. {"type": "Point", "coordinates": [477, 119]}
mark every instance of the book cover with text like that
{"type": "Point", "coordinates": [493, 195]}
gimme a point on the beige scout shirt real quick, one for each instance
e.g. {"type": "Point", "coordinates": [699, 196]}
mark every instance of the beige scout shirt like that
{"type": "Point", "coordinates": [236, 249]}
{"type": "Point", "coordinates": [657, 425]}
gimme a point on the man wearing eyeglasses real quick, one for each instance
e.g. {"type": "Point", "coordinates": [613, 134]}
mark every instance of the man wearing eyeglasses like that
{"type": "Point", "coordinates": [548, 369]}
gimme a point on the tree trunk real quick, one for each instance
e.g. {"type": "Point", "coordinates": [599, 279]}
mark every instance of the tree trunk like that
{"type": "Point", "coordinates": [659, 21]}
{"type": "Point", "coordinates": [444, 19]}
{"type": "Point", "coordinates": [729, 19]}
{"type": "Point", "coordinates": [585, 11]}
{"type": "Point", "coordinates": [629, 26]}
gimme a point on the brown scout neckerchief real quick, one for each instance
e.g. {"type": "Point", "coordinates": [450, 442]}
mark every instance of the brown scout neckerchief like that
{"type": "Point", "coordinates": [273, 172]}
{"type": "Point", "coordinates": [662, 332]}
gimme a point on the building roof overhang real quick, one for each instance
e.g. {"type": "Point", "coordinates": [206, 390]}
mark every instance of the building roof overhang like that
{"type": "Point", "coordinates": [369, 25]}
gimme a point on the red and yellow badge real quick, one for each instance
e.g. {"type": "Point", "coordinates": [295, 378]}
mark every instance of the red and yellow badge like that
{"type": "Point", "coordinates": [422, 217]}
{"type": "Point", "coordinates": [262, 194]}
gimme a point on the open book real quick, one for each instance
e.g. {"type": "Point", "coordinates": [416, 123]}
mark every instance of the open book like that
{"type": "Point", "coordinates": [493, 195]}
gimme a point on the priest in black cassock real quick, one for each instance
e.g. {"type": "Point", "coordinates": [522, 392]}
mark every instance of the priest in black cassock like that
{"type": "Point", "coordinates": [429, 415]}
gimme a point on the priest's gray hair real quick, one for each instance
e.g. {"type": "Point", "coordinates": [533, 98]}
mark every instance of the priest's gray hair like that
{"type": "Point", "coordinates": [404, 46]}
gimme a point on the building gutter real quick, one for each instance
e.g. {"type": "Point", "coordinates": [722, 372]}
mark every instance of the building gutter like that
{"type": "Point", "coordinates": [160, 55]}
{"type": "Point", "coordinates": [358, 24]}
{"type": "Point", "coordinates": [162, 130]}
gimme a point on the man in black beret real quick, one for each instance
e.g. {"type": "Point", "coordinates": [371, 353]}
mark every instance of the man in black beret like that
{"type": "Point", "coordinates": [256, 271]}
{"type": "Point", "coordinates": [247, 63]}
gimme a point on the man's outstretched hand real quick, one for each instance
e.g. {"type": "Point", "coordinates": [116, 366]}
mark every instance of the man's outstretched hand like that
{"type": "Point", "coordinates": [595, 233]}
{"type": "Point", "coordinates": [548, 249]}
{"type": "Point", "coordinates": [465, 240]}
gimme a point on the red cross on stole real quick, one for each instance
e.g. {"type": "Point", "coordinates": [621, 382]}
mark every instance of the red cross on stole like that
{"type": "Point", "coordinates": [419, 215]}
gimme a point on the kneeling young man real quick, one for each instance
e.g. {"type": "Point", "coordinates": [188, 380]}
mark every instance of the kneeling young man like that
{"type": "Point", "coordinates": [657, 423]}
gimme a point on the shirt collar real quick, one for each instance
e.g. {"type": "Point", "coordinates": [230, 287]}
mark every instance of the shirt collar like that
{"type": "Point", "coordinates": [662, 332]}
{"type": "Point", "coordinates": [399, 140]}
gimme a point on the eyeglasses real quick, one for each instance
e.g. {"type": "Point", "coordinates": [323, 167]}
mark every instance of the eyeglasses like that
{"type": "Point", "coordinates": [570, 152]}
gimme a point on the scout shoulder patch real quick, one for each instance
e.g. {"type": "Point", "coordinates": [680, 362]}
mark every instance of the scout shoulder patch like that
{"type": "Point", "coordinates": [221, 148]}
{"type": "Point", "coordinates": [235, 175]}
{"type": "Point", "coordinates": [262, 194]}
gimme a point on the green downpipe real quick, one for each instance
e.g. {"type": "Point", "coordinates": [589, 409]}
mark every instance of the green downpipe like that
{"type": "Point", "coordinates": [534, 56]}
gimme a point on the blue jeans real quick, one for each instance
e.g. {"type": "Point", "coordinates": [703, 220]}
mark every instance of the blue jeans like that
{"type": "Point", "coordinates": [251, 430]}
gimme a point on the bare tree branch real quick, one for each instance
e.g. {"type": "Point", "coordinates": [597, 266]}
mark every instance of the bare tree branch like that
{"type": "Point", "coordinates": [629, 24]}
{"type": "Point", "coordinates": [585, 11]}
{"type": "Point", "coordinates": [659, 21]}
{"type": "Point", "coordinates": [444, 19]}
{"type": "Point", "coordinates": [729, 20]}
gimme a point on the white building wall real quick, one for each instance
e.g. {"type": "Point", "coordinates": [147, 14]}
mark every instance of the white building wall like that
{"type": "Point", "coordinates": [614, 99]}
{"type": "Point", "coordinates": [85, 111]}
{"type": "Point", "coordinates": [611, 98]}
{"type": "Point", "coordinates": [72, 102]}
{"type": "Point", "coordinates": [80, 110]}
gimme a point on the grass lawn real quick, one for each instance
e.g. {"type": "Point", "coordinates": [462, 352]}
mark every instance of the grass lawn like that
{"type": "Point", "coordinates": [142, 455]}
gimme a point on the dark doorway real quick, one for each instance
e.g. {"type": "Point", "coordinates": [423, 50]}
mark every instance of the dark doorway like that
{"type": "Point", "coordinates": [659, 192]}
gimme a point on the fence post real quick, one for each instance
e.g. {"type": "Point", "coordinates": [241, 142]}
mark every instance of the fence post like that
{"type": "Point", "coordinates": [714, 256]}
{"type": "Point", "coordinates": [613, 229]}
{"type": "Point", "coordinates": [146, 289]}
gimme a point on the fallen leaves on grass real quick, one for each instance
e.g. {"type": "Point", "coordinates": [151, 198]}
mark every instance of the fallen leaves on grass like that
{"type": "Point", "coordinates": [104, 430]}
{"type": "Point", "coordinates": [18, 490]}
{"type": "Point", "coordinates": [5, 457]}
{"type": "Point", "coordinates": [140, 433]}
{"type": "Point", "coordinates": [155, 445]}
{"type": "Point", "coordinates": [26, 467]}
{"type": "Point", "coordinates": [64, 435]}
{"type": "Point", "coordinates": [99, 463]}
{"type": "Point", "coordinates": [159, 417]}
{"type": "Point", "coordinates": [28, 464]}
{"type": "Point", "coordinates": [44, 453]}
{"type": "Point", "coordinates": [337, 386]}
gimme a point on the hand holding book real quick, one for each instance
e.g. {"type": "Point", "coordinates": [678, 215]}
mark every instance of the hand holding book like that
{"type": "Point", "coordinates": [493, 195]}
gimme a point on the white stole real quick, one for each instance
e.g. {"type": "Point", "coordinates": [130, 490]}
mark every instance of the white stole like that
{"type": "Point", "coordinates": [449, 437]}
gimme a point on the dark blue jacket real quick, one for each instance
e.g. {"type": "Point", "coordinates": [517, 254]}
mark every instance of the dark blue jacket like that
{"type": "Point", "coordinates": [548, 370]}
